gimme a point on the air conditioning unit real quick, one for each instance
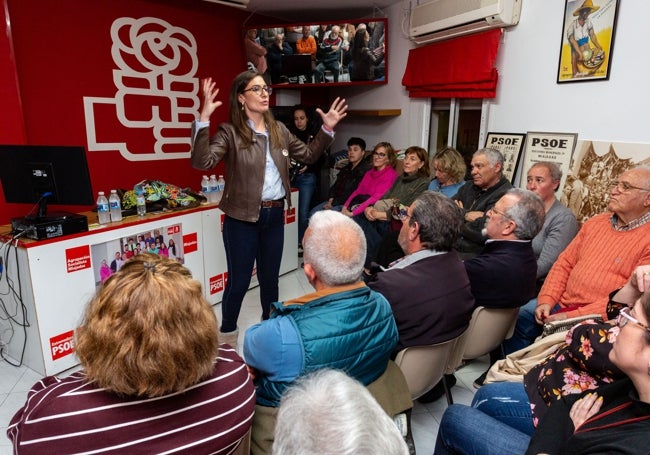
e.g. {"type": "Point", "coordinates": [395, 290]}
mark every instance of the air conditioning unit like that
{"type": "Point", "coordinates": [439, 20]}
{"type": "Point", "coordinates": [236, 3]}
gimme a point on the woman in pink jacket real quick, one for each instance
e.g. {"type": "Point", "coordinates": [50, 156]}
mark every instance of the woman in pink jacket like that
{"type": "Point", "coordinates": [375, 182]}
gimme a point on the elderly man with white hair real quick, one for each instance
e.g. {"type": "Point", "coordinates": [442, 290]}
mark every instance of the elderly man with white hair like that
{"type": "Point", "coordinates": [343, 324]}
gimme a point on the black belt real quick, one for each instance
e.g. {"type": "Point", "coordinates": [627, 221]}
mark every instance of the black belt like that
{"type": "Point", "coordinates": [272, 204]}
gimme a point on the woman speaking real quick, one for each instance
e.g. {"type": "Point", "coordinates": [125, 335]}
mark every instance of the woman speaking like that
{"type": "Point", "coordinates": [258, 151]}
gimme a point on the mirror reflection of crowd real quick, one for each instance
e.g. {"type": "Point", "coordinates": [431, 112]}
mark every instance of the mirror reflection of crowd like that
{"type": "Point", "coordinates": [331, 47]}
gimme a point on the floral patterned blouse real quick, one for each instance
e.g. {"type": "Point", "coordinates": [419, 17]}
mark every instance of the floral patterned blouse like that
{"type": "Point", "coordinates": [582, 363]}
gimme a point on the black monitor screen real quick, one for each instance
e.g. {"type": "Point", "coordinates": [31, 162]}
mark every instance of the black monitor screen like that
{"type": "Point", "coordinates": [29, 172]}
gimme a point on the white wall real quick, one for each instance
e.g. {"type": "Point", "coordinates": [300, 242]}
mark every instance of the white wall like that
{"type": "Point", "coordinates": [401, 131]}
{"type": "Point", "coordinates": [528, 98]}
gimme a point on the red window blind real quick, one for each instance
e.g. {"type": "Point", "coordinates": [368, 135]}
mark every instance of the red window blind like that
{"type": "Point", "coordinates": [457, 68]}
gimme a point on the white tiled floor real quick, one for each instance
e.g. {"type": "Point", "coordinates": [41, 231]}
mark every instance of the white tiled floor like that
{"type": "Point", "coordinates": [15, 382]}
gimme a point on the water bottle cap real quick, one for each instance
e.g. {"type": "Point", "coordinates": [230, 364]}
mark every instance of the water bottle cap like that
{"type": "Point", "coordinates": [213, 176]}
{"type": "Point", "coordinates": [101, 193]}
{"type": "Point", "coordinates": [113, 191]}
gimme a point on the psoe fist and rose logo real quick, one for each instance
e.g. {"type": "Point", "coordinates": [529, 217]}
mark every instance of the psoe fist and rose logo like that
{"type": "Point", "coordinates": [156, 90]}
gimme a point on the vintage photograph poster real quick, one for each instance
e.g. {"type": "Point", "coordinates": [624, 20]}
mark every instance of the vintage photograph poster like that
{"type": "Point", "coordinates": [595, 165]}
{"type": "Point", "coordinates": [510, 145]}
{"type": "Point", "coordinates": [554, 147]}
{"type": "Point", "coordinates": [587, 40]}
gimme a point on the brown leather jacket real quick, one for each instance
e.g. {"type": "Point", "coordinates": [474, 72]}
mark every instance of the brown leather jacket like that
{"type": "Point", "coordinates": [245, 167]}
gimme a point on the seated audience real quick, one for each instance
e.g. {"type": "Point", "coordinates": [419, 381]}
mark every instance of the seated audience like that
{"type": "Point", "coordinates": [343, 324]}
{"type": "Point", "coordinates": [327, 412]}
{"type": "Point", "coordinates": [449, 171]}
{"type": "Point", "coordinates": [613, 418]}
{"type": "Point", "coordinates": [364, 60]}
{"type": "Point", "coordinates": [428, 310]}
{"type": "Point", "coordinates": [275, 52]}
{"type": "Point", "coordinates": [348, 178]}
{"type": "Point", "coordinates": [375, 182]}
{"type": "Point", "coordinates": [560, 226]}
{"type": "Point", "coordinates": [307, 45]}
{"type": "Point", "coordinates": [153, 377]}
{"type": "Point", "coordinates": [376, 219]}
{"type": "Point", "coordinates": [600, 258]}
{"type": "Point", "coordinates": [255, 52]}
{"type": "Point", "coordinates": [488, 185]}
{"type": "Point", "coordinates": [329, 56]}
{"type": "Point", "coordinates": [503, 275]}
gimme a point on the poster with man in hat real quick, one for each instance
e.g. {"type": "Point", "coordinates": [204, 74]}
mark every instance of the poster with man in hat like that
{"type": "Point", "coordinates": [587, 40]}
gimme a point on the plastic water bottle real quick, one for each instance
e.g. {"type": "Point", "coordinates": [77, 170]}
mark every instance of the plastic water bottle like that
{"type": "Point", "coordinates": [221, 185]}
{"type": "Point", "coordinates": [115, 206]}
{"type": "Point", "coordinates": [213, 188]}
{"type": "Point", "coordinates": [140, 202]}
{"type": "Point", "coordinates": [205, 189]}
{"type": "Point", "coordinates": [102, 209]}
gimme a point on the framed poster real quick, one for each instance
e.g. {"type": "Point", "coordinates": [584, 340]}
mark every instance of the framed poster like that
{"type": "Point", "coordinates": [510, 145]}
{"type": "Point", "coordinates": [587, 40]}
{"type": "Point", "coordinates": [595, 165]}
{"type": "Point", "coordinates": [554, 147]}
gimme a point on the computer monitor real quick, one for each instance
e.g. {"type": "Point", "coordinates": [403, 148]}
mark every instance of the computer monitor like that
{"type": "Point", "coordinates": [43, 174]}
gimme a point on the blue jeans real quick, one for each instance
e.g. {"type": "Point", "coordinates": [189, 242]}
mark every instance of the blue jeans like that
{"type": "Point", "coordinates": [526, 330]}
{"type": "Point", "coordinates": [374, 231]}
{"type": "Point", "coordinates": [245, 243]}
{"type": "Point", "coordinates": [498, 422]}
{"type": "Point", "coordinates": [321, 206]}
{"type": "Point", "coordinates": [306, 184]}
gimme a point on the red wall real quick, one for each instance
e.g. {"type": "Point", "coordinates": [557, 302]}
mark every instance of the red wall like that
{"type": "Point", "coordinates": [62, 53]}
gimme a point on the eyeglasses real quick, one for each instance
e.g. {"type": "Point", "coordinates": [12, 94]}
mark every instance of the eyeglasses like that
{"type": "Point", "coordinates": [624, 187]}
{"type": "Point", "coordinates": [498, 212]}
{"type": "Point", "coordinates": [624, 316]}
{"type": "Point", "coordinates": [380, 154]}
{"type": "Point", "coordinates": [257, 89]}
{"type": "Point", "coordinates": [403, 215]}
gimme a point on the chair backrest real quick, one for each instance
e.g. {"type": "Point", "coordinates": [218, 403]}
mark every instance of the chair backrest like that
{"type": "Point", "coordinates": [424, 366]}
{"type": "Point", "coordinates": [487, 330]}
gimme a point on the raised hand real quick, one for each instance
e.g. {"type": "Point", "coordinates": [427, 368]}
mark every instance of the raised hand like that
{"type": "Point", "coordinates": [209, 94]}
{"type": "Point", "coordinates": [335, 114]}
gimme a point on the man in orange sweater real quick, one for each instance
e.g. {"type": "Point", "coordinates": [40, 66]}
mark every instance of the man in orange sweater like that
{"type": "Point", "coordinates": [599, 259]}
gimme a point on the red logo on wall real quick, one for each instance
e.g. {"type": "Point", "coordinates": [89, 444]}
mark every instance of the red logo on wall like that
{"type": "Point", "coordinates": [77, 258]}
{"type": "Point", "coordinates": [223, 217]}
{"type": "Point", "coordinates": [62, 345]}
{"type": "Point", "coordinates": [175, 229]}
{"type": "Point", "coordinates": [190, 243]}
{"type": "Point", "coordinates": [290, 215]}
{"type": "Point", "coordinates": [217, 284]}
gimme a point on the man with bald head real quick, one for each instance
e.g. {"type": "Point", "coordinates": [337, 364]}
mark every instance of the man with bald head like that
{"type": "Point", "coordinates": [329, 55]}
{"type": "Point", "coordinates": [343, 324]}
{"type": "Point", "coordinates": [600, 258]}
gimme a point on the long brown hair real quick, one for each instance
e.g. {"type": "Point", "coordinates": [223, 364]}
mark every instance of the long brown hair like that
{"type": "Point", "coordinates": [238, 116]}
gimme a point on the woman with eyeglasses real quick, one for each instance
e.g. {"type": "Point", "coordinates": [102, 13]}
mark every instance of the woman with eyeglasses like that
{"type": "Point", "coordinates": [375, 182]}
{"type": "Point", "coordinates": [603, 409]}
{"type": "Point", "coordinates": [257, 151]}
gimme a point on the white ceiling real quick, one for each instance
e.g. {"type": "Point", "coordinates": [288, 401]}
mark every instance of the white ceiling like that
{"type": "Point", "coordinates": [317, 10]}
